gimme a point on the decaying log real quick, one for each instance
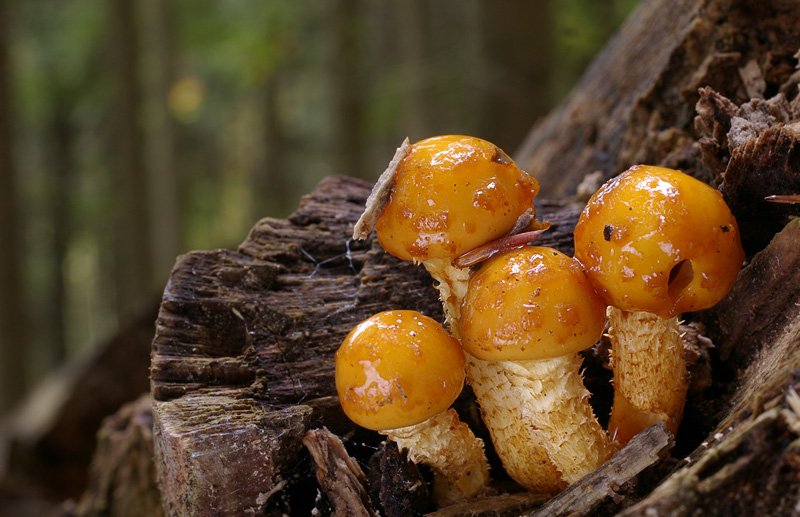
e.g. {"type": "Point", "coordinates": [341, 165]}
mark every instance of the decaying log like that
{"type": "Point", "coordinates": [635, 103]}
{"type": "Point", "coordinates": [642, 452]}
{"type": "Point", "coordinates": [506, 505]}
{"type": "Point", "coordinates": [122, 479]}
{"type": "Point", "coordinates": [243, 354]}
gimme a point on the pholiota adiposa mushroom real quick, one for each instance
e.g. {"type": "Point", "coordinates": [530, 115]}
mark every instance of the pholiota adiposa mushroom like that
{"type": "Point", "coordinates": [398, 372]}
{"type": "Point", "coordinates": [655, 243]}
{"type": "Point", "coordinates": [526, 316]}
{"type": "Point", "coordinates": [452, 194]}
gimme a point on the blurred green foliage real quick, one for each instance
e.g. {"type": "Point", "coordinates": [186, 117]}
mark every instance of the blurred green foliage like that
{"type": "Point", "coordinates": [251, 103]}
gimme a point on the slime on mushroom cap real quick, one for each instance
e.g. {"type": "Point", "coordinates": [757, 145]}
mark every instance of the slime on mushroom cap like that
{"type": "Point", "coordinates": [530, 303]}
{"type": "Point", "coordinates": [657, 240]}
{"type": "Point", "coordinates": [452, 194]}
{"type": "Point", "coordinates": [397, 369]}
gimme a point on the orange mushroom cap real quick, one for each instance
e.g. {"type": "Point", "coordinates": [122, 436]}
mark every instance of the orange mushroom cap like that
{"type": "Point", "coordinates": [657, 240]}
{"type": "Point", "coordinates": [530, 303]}
{"type": "Point", "coordinates": [452, 194]}
{"type": "Point", "coordinates": [396, 369]}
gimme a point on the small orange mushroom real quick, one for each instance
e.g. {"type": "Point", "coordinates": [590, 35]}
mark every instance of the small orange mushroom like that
{"type": "Point", "coordinates": [452, 194]}
{"type": "Point", "coordinates": [398, 372]}
{"type": "Point", "coordinates": [655, 243]}
{"type": "Point", "coordinates": [526, 315]}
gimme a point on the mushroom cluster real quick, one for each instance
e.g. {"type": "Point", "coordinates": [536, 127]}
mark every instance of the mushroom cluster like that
{"type": "Point", "coordinates": [452, 196]}
{"type": "Point", "coordinates": [519, 315]}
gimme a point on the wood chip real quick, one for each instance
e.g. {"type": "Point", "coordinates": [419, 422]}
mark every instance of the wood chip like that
{"type": "Point", "coordinates": [379, 196]}
{"type": "Point", "coordinates": [338, 474]}
{"type": "Point", "coordinates": [643, 451]}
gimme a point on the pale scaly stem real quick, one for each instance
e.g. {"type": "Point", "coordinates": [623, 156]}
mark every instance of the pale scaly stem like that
{"type": "Point", "coordinates": [451, 450]}
{"type": "Point", "coordinates": [542, 425]}
{"type": "Point", "coordinates": [452, 283]}
{"type": "Point", "coordinates": [649, 372]}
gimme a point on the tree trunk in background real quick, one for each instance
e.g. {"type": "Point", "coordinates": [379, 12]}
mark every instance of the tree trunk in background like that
{"type": "Point", "coordinates": [273, 184]}
{"type": "Point", "coordinates": [62, 167]}
{"type": "Point", "coordinates": [131, 234]}
{"type": "Point", "coordinates": [417, 70]}
{"type": "Point", "coordinates": [163, 176]}
{"type": "Point", "coordinates": [346, 90]}
{"type": "Point", "coordinates": [514, 77]}
{"type": "Point", "coordinates": [13, 334]}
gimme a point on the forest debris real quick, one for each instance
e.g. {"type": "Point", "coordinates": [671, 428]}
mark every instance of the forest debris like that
{"type": "Point", "coordinates": [379, 196]}
{"type": "Point", "coordinates": [643, 451]}
{"type": "Point", "coordinates": [506, 505]}
{"type": "Point", "coordinates": [755, 117]}
{"type": "Point", "coordinates": [753, 79]}
{"type": "Point", "coordinates": [338, 474]}
{"type": "Point", "coordinates": [751, 468]}
{"type": "Point", "coordinates": [122, 476]}
{"type": "Point", "coordinates": [759, 155]}
{"type": "Point", "coordinates": [396, 483]}
{"type": "Point", "coordinates": [53, 434]}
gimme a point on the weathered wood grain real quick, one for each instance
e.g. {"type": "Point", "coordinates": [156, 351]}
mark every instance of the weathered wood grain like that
{"type": "Point", "coordinates": [635, 103]}
{"type": "Point", "coordinates": [255, 330]}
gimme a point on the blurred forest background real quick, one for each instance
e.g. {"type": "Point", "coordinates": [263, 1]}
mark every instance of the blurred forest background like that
{"type": "Point", "coordinates": [133, 131]}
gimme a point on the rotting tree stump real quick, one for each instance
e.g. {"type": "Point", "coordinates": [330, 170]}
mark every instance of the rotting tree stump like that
{"type": "Point", "coordinates": [242, 360]}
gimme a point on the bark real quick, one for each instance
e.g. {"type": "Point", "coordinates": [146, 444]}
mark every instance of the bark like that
{"type": "Point", "coordinates": [635, 103]}
{"type": "Point", "coordinates": [338, 474]}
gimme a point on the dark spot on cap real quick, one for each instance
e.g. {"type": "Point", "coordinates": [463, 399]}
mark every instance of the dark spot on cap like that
{"type": "Point", "coordinates": [607, 232]}
{"type": "Point", "coordinates": [724, 228]}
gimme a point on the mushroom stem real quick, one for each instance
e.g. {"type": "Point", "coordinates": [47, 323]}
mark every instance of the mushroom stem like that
{"type": "Point", "coordinates": [645, 390]}
{"type": "Point", "coordinates": [452, 283]}
{"type": "Point", "coordinates": [433, 443]}
{"type": "Point", "coordinates": [541, 423]}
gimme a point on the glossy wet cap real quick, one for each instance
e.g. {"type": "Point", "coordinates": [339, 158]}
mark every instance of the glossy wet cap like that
{"type": "Point", "coordinates": [452, 194]}
{"type": "Point", "coordinates": [398, 368]}
{"type": "Point", "coordinates": [531, 303]}
{"type": "Point", "coordinates": [657, 240]}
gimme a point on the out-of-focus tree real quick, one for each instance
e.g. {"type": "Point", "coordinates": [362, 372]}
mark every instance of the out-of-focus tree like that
{"type": "Point", "coordinates": [13, 325]}
{"type": "Point", "coordinates": [163, 178]}
{"type": "Point", "coordinates": [347, 91]}
{"type": "Point", "coordinates": [516, 76]}
{"type": "Point", "coordinates": [132, 242]}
